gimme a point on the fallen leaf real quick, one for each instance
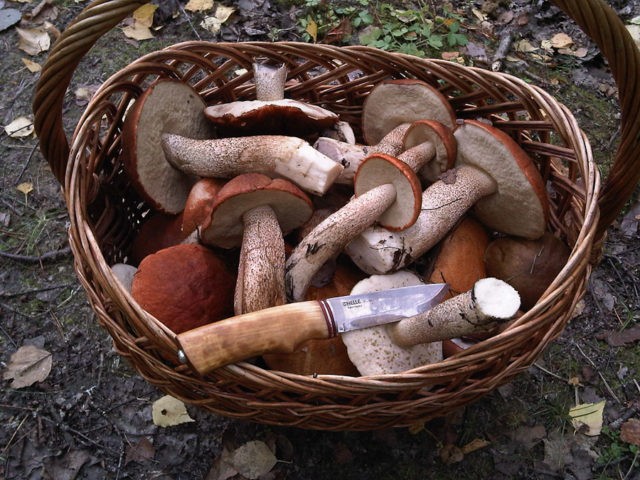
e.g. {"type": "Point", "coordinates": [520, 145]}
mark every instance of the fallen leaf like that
{"type": "Point", "coordinates": [561, 40]}
{"type": "Point", "coordinates": [529, 437]}
{"type": "Point", "coordinates": [44, 11]}
{"type": "Point", "coordinates": [631, 221]}
{"type": "Point", "coordinates": [67, 466]}
{"type": "Point", "coordinates": [137, 32]}
{"type": "Point", "coordinates": [634, 30]}
{"type": "Point", "coordinates": [140, 451]}
{"type": "Point", "coordinates": [222, 469]}
{"type": "Point", "coordinates": [478, 14]}
{"type": "Point", "coordinates": [32, 66]}
{"type": "Point", "coordinates": [253, 459]}
{"type": "Point", "coordinates": [587, 418]}
{"type": "Point", "coordinates": [475, 444]}
{"type": "Point", "coordinates": [524, 46]}
{"type": "Point", "coordinates": [450, 454]}
{"type": "Point", "coordinates": [557, 450]}
{"type": "Point", "coordinates": [28, 365]}
{"type": "Point", "coordinates": [144, 15]}
{"type": "Point", "coordinates": [630, 431]}
{"type": "Point", "coordinates": [5, 219]}
{"type": "Point", "coordinates": [199, 5]}
{"type": "Point", "coordinates": [215, 22]}
{"type": "Point", "coordinates": [33, 40]}
{"type": "Point", "coordinates": [626, 336]}
{"type": "Point", "coordinates": [19, 128]}
{"type": "Point", "coordinates": [312, 30]}
{"type": "Point", "coordinates": [85, 93]}
{"type": "Point", "coordinates": [25, 187]}
{"type": "Point", "coordinates": [9, 17]}
{"type": "Point", "coordinates": [505, 17]}
{"type": "Point", "coordinates": [169, 411]}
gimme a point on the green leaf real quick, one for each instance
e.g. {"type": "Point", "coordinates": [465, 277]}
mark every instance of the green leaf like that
{"type": "Point", "coordinates": [370, 36]}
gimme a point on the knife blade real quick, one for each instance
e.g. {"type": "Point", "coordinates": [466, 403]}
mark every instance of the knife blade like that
{"type": "Point", "coordinates": [283, 328]}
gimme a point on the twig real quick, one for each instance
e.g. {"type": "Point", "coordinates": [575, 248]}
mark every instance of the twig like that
{"type": "Point", "coordinates": [606, 384]}
{"type": "Point", "coordinates": [6, 334]}
{"type": "Point", "coordinates": [26, 164]}
{"type": "Point", "coordinates": [34, 290]}
{"type": "Point", "coordinates": [53, 256]}
{"type": "Point", "coordinates": [6, 447]}
{"type": "Point", "coordinates": [506, 39]}
{"type": "Point", "coordinates": [633, 464]}
{"type": "Point", "coordinates": [555, 375]}
{"type": "Point", "coordinates": [67, 428]}
{"type": "Point", "coordinates": [184, 12]}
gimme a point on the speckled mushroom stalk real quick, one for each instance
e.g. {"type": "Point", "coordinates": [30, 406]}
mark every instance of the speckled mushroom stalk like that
{"type": "Point", "coordinates": [493, 175]}
{"type": "Point", "coordinates": [490, 301]}
{"type": "Point", "coordinates": [274, 155]}
{"type": "Point", "coordinates": [387, 191]}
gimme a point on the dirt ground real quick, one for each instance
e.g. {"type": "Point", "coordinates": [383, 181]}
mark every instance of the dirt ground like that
{"type": "Point", "coordinates": [90, 418]}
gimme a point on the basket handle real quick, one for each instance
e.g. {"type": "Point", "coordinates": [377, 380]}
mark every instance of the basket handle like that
{"type": "Point", "coordinates": [596, 18]}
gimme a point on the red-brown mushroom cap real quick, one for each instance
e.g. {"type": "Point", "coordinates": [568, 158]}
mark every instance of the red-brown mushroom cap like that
{"type": "Point", "coordinates": [291, 206]}
{"type": "Point", "coordinates": [184, 287]}
{"type": "Point", "coordinates": [168, 106]}
{"type": "Point", "coordinates": [519, 205]}
{"type": "Point", "coordinates": [199, 204]}
{"type": "Point", "coordinates": [395, 102]}
{"type": "Point", "coordinates": [442, 139]}
{"type": "Point", "coordinates": [380, 169]}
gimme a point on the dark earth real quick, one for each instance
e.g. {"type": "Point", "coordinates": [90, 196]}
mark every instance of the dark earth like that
{"type": "Point", "coordinates": [90, 418]}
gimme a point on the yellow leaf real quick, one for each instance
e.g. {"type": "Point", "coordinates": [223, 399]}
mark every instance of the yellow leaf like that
{"type": "Point", "coordinates": [25, 187]}
{"type": "Point", "coordinates": [169, 411]}
{"type": "Point", "coordinates": [19, 128]}
{"type": "Point", "coordinates": [33, 40]}
{"type": "Point", "coordinates": [525, 46]}
{"type": "Point", "coordinates": [137, 32]}
{"type": "Point", "coordinates": [199, 5]}
{"type": "Point", "coordinates": [33, 67]}
{"type": "Point", "coordinates": [223, 13]}
{"type": "Point", "coordinates": [587, 417]}
{"type": "Point", "coordinates": [312, 30]}
{"type": "Point", "coordinates": [214, 23]}
{"type": "Point", "coordinates": [144, 14]}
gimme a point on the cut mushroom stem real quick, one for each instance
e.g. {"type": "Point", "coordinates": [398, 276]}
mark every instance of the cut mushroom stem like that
{"type": "Point", "coordinates": [494, 176]}
{"type": "Point", "coordinates": [490, 301]}
{"type": "Point", "coordinates": [269, 80]}
{"type": "Point", "coordinates": [386, 191]}
{"type": "Point", "coordinates": [274, 155]}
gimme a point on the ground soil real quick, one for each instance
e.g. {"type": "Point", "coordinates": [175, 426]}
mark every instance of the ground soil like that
{"type": "Point", "coordinates": [91, 417]}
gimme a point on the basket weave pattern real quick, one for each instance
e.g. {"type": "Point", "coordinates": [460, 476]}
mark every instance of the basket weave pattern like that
{"type": "Point", "coordinates": [106, 213]}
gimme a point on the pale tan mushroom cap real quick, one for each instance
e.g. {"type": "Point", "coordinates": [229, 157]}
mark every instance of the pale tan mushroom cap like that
{"type": "Point", "coordinates": [395, 102]}
{"type": "Point", "coordinates": [380, 169]}
{"type": "Point", "coordinates": [371, 350]}
{"type": "Point", "coordinates": [519, 206]}
{"type": "Point", "coordinates": [245, 192]}
{"type": "Point", "coordinates": [168, 106]}
{"type": "Point", "coordinates": [441, 137]}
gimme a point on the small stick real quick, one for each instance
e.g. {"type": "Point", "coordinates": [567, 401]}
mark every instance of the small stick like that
{"type": "Point", "coordinates": [55, 255]}
{"type": "Point", "coordinates": [506, 39]}
{"type": "Point", "coordinates": [26, 164]}
{"type": "Point", "coordinates": [554, 375]}
{"type": "Point", "coordinates": [606, 384]}
{"type": "Point", "coordinates": [34, 290]}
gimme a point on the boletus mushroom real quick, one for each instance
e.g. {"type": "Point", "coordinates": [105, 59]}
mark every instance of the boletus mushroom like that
{"type": "Point", "coordinates": [184, 287]}
{"type": "Point", "coordinates": [493, 174]}
{"type": "Point", "coordinates": [529, 266]}
{"type": "Point", "coordinates": [254, 211]}
{"type": "Point", "coordinates": [167, 106]}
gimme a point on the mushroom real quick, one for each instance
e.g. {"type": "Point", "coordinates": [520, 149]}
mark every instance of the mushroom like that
{"type": "Point", "coordinates": [270, 113]}
{"type": "Point", "coordinates": [491, 301]}
{"type": "Point", "coordinates": [387, 190]}
{"type": "Point", "coordinates": [159, 231]}
{"type": "Point", "coordinates": [371, 349]}
{"type": "Point", "coordinates": [493, 175]}
{"type": "Point", "coordinates": [167, 106]}
{"type": "Point", "coordinates": [459, 260]}
{"type": "Point", "coordinates": [124, 274]}
{"type": "Point", "coordinates": [274, 155]}
{"type": "Point", "coordinates": [184, 287]}
{"type": "Point", "coordinates": [529, 266]}
{"type": "Point", "coordinates": [253, 211]}
{"type": "Point", "coordinates": [197, 209]}
{"type": "Point", "coordinates": [394, 102]}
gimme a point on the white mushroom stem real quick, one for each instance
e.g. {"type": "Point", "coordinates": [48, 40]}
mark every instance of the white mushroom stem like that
{"type": "Point", "coordinates": [269, 81]}
{"type": "Point", "coordinates": [260, 281]}
{"type": "Point", "coordinates": [351, 155]}
{"type": "Point", "coordinates": [273, 155]}
{"type": "Point", "coordinates": [331, 236]}
{"type": "Point", "coordinates": [378, 250]}
{"type": "Point", "coordinates": [489, 301]}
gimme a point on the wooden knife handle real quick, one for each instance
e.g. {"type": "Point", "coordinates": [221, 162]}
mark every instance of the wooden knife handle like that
{"type": "Point", "coordinates": [273, 330]}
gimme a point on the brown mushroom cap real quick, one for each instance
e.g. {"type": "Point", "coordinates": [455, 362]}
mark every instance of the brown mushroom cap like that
{"type": "Point", "coordinates": [168, 106]}
{"type": "Point", "coordinates": [529, 266]}
{"type": "Point", "coordinates": [184, 287]}
{"type": "Point", "coordinates": [395, 102]}
{"type": "Point", "coordinates": [199, 204]}
{"type": "Point", "coordinates": [443, 141]}
{"type": "Point", "coordinates": [519, 205]}
{"type": "Point", "coordinates": [380, 169]}
{"type": "Point", "coordinates": [245, 192]}
{"type": "Point", "coordinates": [158, 232]}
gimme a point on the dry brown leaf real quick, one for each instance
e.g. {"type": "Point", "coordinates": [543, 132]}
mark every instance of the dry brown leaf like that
{"type": "Point", "coordinates": [25, 187]}
{"type": "Point", "coordinates": [561, 40]}
{"type": "Point", "coordinates": [33, 40]}
{"type": "Point", "coordinates": [28, 365]}
{"type": "Point", "coordinates": [168, 411]}
{"type": "Point", "coordinates": [253, 459]}
{"type": "Point", "coordinates": [214, 23]}
{"type": "Point", "coordinates": [524, 46]}
{"type": "Point", "coordinates": [627, 336]}
{"type": "Point", "coordinates": [475, 444]}
{"type": "Point", "coordinates": [19, 128]}
{"type": "Point", "coordinates": [140, 452]}
{"type": "Point", "coordinates": [199, 5]}
{"type": "Point", "coordinates": [32, 66]}
{"type": "Point", "coordinates": [630, 431]}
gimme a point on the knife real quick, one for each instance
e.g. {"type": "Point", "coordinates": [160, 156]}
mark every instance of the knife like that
{"type": "Point", "coordinates": [283, 328]}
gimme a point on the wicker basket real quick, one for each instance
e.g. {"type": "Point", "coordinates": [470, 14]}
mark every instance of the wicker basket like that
{"type": "Point", "coordinates": [105, 212]}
